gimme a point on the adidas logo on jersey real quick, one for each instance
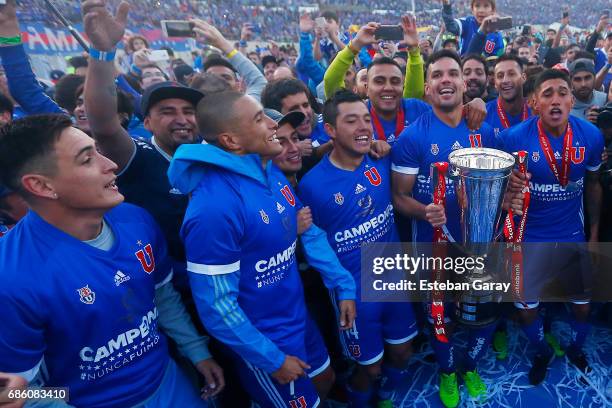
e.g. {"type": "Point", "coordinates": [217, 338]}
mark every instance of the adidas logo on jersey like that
{"type": "Point", "coordinates": [557, 155]}
{"type": "Point", "coordinates": [279, 208]}
{"type": "Point", "coordinates": [359, 189]}
{"type": "Point", "coordinates": [175, 191]}
{"type": "Point", "coordinates": [121, 277]}
{"type": "Point", "coordinates": [456, 146]}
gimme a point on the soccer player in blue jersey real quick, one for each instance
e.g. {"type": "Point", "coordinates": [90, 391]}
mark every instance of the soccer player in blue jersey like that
{"type": "Point", "coordinates": [510, 108]}
{"type": "Point", "coordinates": [169, 110]}
{"type": "Point", "coordinates": [240, 237]}
{"type": "Point", "coordinates": [85, 280]}
{"type": "Point", "coordinates": [564, 158]}
{"type": "Point", "coordinates": [346, 191]}
{"type": "Point", "coordinates": [431, 139]}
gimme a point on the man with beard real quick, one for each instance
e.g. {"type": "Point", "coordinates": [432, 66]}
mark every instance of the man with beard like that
{"type": "Point", "coordinates": [431, 139]}
{"type": "Point", "coordinates": [388, 90]}
{"type": "Point", "coordinates": [564, 166]}
{"type": "Point", "coordinates": [588, 100]}
{"type": "Point", "coordinates": [475, 74]}
{"type": "Point", "coordinates": [510, 108]}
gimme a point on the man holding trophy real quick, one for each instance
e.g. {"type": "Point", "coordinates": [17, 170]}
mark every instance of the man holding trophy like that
{"type": "Point", "coordinates": [421, 147]}
{"type": "Point", "coordinates": [564, 155]}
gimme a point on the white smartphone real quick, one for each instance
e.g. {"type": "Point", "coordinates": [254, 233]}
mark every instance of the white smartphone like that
{"type": "Point", "coordinates": [158, 56]}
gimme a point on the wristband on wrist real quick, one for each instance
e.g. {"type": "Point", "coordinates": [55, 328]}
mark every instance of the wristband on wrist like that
{"type": "Point", "coordinates": [352, 48]}
{"type": "Point", "coordinates": [11, 40]}
{"type": "Point", "coordinates": [107, 56]}
{"type": "Point", "coordinates": [231, 53]}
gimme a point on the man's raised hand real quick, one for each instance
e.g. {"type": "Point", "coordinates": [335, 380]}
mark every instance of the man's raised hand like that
{"type": "Point", "coordinates": [103, 29]}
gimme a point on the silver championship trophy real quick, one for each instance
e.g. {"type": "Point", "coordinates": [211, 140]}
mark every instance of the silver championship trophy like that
{"type": "Point", "coordinates": [480, 177]}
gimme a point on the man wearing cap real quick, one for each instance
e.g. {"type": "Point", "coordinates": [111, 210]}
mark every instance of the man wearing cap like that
{"type": "Point", "coordinates": [289, 160]}
{"type": "Point", "coordinates": [169, 110]}
{"type": "Point", "coordinates": [582, 73]}
{"type": "Point", "coordinates": [269, 65]}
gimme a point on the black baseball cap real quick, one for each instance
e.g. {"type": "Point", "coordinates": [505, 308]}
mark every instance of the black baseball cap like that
{"type": "Point", "coordinates": [294, 118]}
{"type": "Point", "coordinates": [168, 90]}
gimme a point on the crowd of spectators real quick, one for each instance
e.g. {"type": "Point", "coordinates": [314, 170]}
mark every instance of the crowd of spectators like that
{"type": "Point", "coordinates": [278, 18]}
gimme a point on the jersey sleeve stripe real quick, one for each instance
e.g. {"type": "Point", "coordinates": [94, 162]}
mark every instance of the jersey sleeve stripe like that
{"type": "Point", "coordinates": [31, 373]}
{"type": "Point", "coordinates": [167, 280]}
{"type": "Point", "coordinates": [593, 168]}
{"type": "Point", "coordinates": [127, 166]}
{"type": "Point", "coordinates": [405, 170]}
{"type": "Point", "coordinates": [204, 269]}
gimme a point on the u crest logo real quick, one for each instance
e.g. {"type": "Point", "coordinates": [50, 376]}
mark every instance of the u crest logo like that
{"type": "Point", "coordinates": [373, 176]}
{"type": "Point", "coordinates": [489, 46]}
{"type": "Point", "coordinates": [577, 155]}
{"type": "Point", "coordinates": [298, 403]}
{"type": "Point", "coordinates": [146, 260]}
{"type": "Point", "coordinates": [475, 140]}
{"type": "Point", "coordinates": [286, 192]}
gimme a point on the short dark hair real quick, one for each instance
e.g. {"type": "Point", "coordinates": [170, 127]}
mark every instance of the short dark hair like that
{"type": "Point", "coordinates": [27, 145]}
{"type": "Point", "coordinates": [385, 61]}
{"type": "Point", "coordinates": [218, 61]}
{"type": "Point", "coordinates": [584, 54]}
{"type": "Point", "coordinates": [511, 57]}
{"type": "Point", "coordinates": [215, 113]}
{"type": "Point", "coordinates": [330, 109]}
{"type": "Point", "coordinates": [438, 55]}
{"type": "Point", "coordinates": [65, 90]}
{"type": "Point", "coordinates": [475, 57]}
{"type": "Point", "coordinates": [208, 84]}
{"type": "Point", "coordinates": [450, 40]}
{"type": "Point", "coordinates": [5, 104]}
{"type": "Point", "coordinates": [331, 15]}
{"type": "Point", "coordinates": [78, 62]}
{"type": "Point", "coordinates": [273, 94]}
{"type": "Point", "coordinates": [550, 74]}
{"type": "Point", "coordinates": [551, 30]}
{"type": "Point", "coordinates": [125, 102]}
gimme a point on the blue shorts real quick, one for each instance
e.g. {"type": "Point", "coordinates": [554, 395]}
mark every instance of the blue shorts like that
{"type": "Point", "coordinates": [555, 274]}
{"type": "Point", "coordinates": [301, 393]}
{"type": "Point", "coordinates": [377, 323]}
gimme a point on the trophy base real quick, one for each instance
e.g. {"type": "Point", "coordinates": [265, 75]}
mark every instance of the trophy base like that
{"type": "Point", "coordinates": [478, 308]}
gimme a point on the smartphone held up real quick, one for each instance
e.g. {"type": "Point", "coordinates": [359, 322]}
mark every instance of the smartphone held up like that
{"type": "Point", "coordinates": [177, 28]}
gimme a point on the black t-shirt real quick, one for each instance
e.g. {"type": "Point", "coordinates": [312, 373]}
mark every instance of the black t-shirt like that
{"type": "Point", "coordinates": [144, 182]}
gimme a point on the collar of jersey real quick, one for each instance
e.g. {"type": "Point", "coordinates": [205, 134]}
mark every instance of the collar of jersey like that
{"type": "Point", "coordinates": [192, 161]}
{"type": "Point", "coordinates": [159, 150]}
